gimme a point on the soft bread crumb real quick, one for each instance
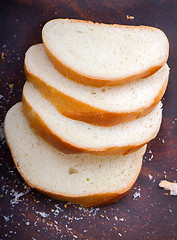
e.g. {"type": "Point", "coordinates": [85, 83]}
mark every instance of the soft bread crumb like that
{"type": "Point", "coordinates": [171, 186]}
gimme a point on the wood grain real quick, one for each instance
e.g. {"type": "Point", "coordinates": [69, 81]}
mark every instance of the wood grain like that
{"type": "Point", "coordinates": [35, 216]}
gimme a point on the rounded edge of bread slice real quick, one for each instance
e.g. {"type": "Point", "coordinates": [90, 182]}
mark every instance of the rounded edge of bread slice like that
{"type": "Point", "coordinates": [70, 69]}
{"type": "Point", "coordinates": [102, 179]}
{"type": "Point", "coordinates": [71, 136]}
{"type": "Point", "coordinates": [89, 106]}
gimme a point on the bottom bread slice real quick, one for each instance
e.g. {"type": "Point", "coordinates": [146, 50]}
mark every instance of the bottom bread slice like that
{"type": "Point", "coordinates": [85, 179]}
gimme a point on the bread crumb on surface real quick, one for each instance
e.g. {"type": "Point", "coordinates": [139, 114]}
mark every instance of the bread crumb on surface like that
{"type": "Point", "coordinates": [101, 215]}
{"type": "Point", "coordinates": [3, 55]}
{"type": "Point", "coordinates": [171, 186]}
{"type": "Point", "coordinates": [130, 17]}
{"type": "Point", "coordinates": [137, 193]}
{"type": "Point", "coordinates": [11, 86]}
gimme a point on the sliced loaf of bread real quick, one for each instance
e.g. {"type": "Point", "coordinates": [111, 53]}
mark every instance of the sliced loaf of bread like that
{"type": "Point", "coordinates": [104, 106]}
{"type": "Point", "coordinates": [100, 54]}
{"type": "Point", "coordinates": [86, 179]}
{"type": "Point", "coordinates": [72, 136]}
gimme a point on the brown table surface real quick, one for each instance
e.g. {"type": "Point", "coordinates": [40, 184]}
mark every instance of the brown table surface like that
{"type": "Point", "coordinates": [152, 215]}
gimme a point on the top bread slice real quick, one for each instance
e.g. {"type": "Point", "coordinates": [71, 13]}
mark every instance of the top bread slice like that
{"type": "Point", "coordinates": [87, 179]}
{"type": "Point", "coordinates": [104, 106]}
{"type": "Point", "coordinates": [100, 54]}
{"type": "Point", "coordinates": [72, 136]}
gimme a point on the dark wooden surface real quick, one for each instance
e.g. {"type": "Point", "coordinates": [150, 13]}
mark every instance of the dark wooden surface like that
{"type": "Point", "coordinates": [153, 215]}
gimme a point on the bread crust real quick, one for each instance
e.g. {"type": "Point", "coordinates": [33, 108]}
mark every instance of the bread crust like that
{"type": "Point", "coordinates": [62, 145]}
{"type": "Point", "coordinates": [77, 76]}
{"type": "Point", "coordinates": [91, 200]}
{"type": "Point", "coordinates": [77, 110]}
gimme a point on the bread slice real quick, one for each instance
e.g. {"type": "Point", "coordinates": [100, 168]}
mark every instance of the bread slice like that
{"type": "Point", "coordinates": [83, 179]}
{"type": "Point", "coordinates": [100, 54]}
{"type": "Point", "coordinates": [71, 136]}
{"type": "Point", "coordinates": [106, 106]}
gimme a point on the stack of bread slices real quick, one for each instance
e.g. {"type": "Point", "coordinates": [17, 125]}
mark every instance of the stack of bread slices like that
{"type": "Point", "coordinates": [90, 105]}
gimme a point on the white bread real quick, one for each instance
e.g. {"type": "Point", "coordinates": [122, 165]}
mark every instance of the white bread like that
{"type": "Point", "coordinates": [72, 136]}
{"type": "Point", "coordinates": [100, 54]}
{"type": "Point", "coordinates": [106, 106]}
{"type": "Point", "coordinates": [86, 179]}
{"type": "Point", "coordinates": [171, 186]}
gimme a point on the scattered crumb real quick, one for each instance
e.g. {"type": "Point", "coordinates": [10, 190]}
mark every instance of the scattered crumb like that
{"type": "Point", "coordinates": [6, 218]}
{"type": "Point", "coordinates": [115, 228]}
{"type": "Point", "coordinates": [171, 186]}
{"type": "Point", "coordinates": [101, 215]}
{"type": "Point", "coordinates": [11, 86]}
{"type": "Point", "coordinates": [52, 210]}
{"type": "Point", "coordinates": [121, 219]}
{"type": "Point", "coordinates": [3, 56]}
{"type": "Point", "coordinates": [137, 194]}
{"type": "Point", "coordinates": [120, 234]}
{"type": "Point", "coordinates": [150, 177]}
{"type": "Point", "coordinates": [116, 218]}
{"type": "Point", "coordinates": [166, 194]}
{"type": "Point", "coordinates": [65, 205]}
{"type": "Point", "coordinates": [70, 218]}
{"type": "Point", "coordinates": [42, 214]}
{"type": "Point", "coordinates": [130, 17]}
{"type": "Point", "coordinates": [17, 196]}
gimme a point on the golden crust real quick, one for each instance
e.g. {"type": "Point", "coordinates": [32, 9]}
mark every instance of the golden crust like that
{"type": "Point", "coordinates": [100, 82]}
{"type": "Point", "coordinates": [67, 147]}
{"type": "Point", "coordinates": [77, 110]}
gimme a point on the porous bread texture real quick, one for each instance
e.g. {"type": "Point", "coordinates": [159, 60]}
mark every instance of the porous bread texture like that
{"type": "Point", "coordinates": [100, 54]}
{"type": "Point", "coordinates": [104, 106]}
{"type": "Point", "coordinates": [72, 136]}
{"type": "Point", "coordinates": [86, 179]}
{"type": "Point", "coordinates": [171, 186]}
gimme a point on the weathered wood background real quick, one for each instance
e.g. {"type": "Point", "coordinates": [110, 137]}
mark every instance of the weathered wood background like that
{"type": "Point", "coordinates": [151, 215]}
